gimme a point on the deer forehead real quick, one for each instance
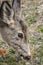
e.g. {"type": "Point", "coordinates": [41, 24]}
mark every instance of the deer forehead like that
{"type": "Point", "coordinates": [14, 24]}
{"type": "Point", "coordinates": [10, 22]}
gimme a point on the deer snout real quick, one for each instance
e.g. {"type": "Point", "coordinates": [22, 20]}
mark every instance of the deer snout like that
{"type": "Point", "coordinates": [26, 54]}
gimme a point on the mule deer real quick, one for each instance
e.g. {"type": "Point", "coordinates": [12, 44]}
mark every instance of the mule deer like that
{"type": "Point", "coordinates": [13, 28]}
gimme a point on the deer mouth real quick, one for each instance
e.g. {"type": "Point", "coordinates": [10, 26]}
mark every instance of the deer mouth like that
{"type": "Point", "coordinates": [26, 57]}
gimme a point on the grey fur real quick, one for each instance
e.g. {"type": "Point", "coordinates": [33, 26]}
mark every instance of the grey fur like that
{"type": "Point", "coordinates": [10, 27]}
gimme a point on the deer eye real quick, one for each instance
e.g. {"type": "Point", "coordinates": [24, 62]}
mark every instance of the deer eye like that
{"type": "Point", "coordinates": [20, 35]}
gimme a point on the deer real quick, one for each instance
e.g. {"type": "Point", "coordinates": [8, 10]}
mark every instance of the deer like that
{"type": "Point", "coordinates": [13, 28]}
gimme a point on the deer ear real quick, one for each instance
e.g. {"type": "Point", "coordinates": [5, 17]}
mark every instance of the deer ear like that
{"type": "Point", "coordinates": [16, 6]}
{"type": "Point", "coordinates": [16, 3]}
{"type": "Point", "coordinates": [5, 11]}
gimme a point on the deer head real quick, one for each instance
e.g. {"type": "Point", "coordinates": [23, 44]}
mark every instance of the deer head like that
{"type": "Point", "coordinates": [13, 28]}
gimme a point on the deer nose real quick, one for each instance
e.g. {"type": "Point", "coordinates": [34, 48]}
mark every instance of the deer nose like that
{"type": "Point", "coordinates": [20, 35]}
{"type": "Point", "coordinates": [27, 57]}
